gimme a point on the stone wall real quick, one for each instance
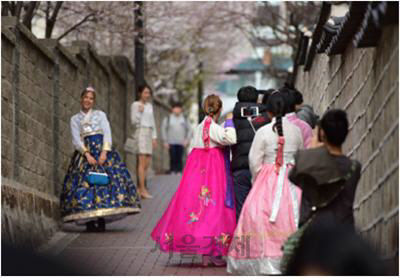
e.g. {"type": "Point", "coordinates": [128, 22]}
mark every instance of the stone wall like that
{"type": "Point", "coordinates": [365, 83]}
{"type": "Point", "coordinates": [41, 85]}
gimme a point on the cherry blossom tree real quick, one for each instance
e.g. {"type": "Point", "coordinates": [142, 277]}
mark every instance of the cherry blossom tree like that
{"type": "Point", "coordinates": [179, 36]}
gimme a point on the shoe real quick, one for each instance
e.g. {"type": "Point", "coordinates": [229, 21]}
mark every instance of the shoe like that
{"type": "Point", "coordinates": [101, 225]}
{"type": "Point", "coordinates": [218, 261]}
{"type": "Point", "coordinates": [145, 195]}
{"type": "Point", "coordinates": [91, 226]}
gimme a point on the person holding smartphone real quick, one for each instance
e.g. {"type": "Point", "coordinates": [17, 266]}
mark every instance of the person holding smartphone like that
{"type": "Point", "coordinates": [328, 180]}
{"type": "Point", "coordinates": [246, 110]}
{"type": "Point", "coordinates": [321, 164]}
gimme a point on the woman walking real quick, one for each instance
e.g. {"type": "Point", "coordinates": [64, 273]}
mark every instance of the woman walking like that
{"type": "Point", "coordinates": [270, 212]}
{"type": "Point", "coordinates": [142, 119]}
{"type": "Point", "coordinates": [97, 186]}
{"type": "Point", "coordinates": [200, 218]}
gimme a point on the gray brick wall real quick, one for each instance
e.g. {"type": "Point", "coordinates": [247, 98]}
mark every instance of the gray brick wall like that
{"type": "Point", "coordinates": [365, 83]}
{"type": "Point", "coordinates": [41, 85]}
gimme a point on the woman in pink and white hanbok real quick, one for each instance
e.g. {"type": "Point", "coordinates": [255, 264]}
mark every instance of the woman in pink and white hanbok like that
{"type": "Point", "coordinates": [271, 210]}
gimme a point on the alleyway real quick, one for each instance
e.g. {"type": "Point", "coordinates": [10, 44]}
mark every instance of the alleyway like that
{"type": "Point", "coordinates": [126, 247]}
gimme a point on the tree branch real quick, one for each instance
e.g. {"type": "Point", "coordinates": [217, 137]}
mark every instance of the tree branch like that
{"type": "Point", "coordinates": [50, 22]}
{"type": "Point", "coordinates": [5, 8]}
{"type": "Point", "coordinates": [30, 13]}
{"type": "Point", "coordinates": [18, 9]}
{"type": "Point", "coordinates": [72, 28]}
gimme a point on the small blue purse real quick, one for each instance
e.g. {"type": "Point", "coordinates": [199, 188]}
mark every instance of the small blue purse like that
{"type": "Point", "coordinates": [98, 178]}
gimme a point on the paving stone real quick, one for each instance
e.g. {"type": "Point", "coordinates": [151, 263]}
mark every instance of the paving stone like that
{"type": "Point", "coordinates": [126, 246]}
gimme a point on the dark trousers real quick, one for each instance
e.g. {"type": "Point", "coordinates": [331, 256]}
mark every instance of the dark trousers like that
{"type": "Point", "coordinates": [175, 157]}
{"type": "Point", "coordinates": [241, 187]}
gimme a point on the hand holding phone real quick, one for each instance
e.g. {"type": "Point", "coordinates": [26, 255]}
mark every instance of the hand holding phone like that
{"type": "Point", "coordinates": [250, 111]}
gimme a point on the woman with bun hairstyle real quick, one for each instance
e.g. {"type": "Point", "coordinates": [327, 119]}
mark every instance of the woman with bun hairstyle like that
{"type": "Point", "coordinates": [271, 210]}
{"type": "Point", "coordinates": [200, 218]}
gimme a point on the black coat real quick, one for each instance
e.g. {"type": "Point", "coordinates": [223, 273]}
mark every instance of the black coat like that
{"type": "Point", "coordinates": [245, 134]}
{"type": "Point", "coordinates": [328, 182]}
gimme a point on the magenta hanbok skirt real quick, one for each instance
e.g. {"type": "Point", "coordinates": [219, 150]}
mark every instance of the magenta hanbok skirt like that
{"type": "Point", "coordinates": [197, 220]}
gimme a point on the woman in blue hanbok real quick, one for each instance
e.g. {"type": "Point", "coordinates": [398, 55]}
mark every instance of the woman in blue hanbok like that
{"type": "Point", "coordinates": [85, 200]}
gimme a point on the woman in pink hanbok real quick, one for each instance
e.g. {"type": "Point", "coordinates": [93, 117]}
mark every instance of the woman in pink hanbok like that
{"type": "Point", "coordinates": [271, 210]}
{"type": "Point", "coordinates": [200, 218]}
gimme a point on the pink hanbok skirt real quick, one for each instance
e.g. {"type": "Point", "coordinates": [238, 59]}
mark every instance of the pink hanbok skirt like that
{"type": "Point", "coordinates": [260, 233]}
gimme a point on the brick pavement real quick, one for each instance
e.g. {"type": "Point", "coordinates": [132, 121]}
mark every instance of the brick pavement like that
{"type": "Point", "coordinates": [126, 247]}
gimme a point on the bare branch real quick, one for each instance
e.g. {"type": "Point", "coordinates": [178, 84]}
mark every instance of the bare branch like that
{"type": "Point", "coordinates": [18, 9]}
{"type": "Point", "coordinates": [50, 22]}
{"type": "Point", "coordinates": [74, 27]}
{"type": "Point", "coordinates": [30, 13]}
{"type": "Point", "coordinates": [5, 8]}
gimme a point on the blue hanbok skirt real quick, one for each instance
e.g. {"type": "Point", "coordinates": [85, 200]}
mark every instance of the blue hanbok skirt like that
{"type": "Point", "coordinates": [82, 201]}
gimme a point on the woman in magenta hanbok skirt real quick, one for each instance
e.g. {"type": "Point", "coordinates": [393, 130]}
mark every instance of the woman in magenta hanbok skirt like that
{"type": "Point", "coordinates": [200, 218]}
{"type": "Point", "coordinates": [271, 210]}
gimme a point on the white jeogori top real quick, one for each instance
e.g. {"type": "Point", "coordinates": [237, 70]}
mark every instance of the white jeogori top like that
{"type": "Point", "coordinates": [145, 118]}
{"type": "Point", "coordinates": [90, 123]}
{"type": "Point", "coordinates": [265, 145]}
{"type": "Point", "coordinates": [219, 136]}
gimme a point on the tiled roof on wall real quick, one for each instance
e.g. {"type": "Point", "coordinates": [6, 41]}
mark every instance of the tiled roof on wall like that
{"type": "Point", "coordinates": [377, 15]}
{"type": "Point", "coordinates": [323, 17]}
{"type": "Point", "coordinates": [361, 25]}
{"type": "Point", "coordinates": [348, 28]}
{"type": "Point", "coordinates": [329, 30]}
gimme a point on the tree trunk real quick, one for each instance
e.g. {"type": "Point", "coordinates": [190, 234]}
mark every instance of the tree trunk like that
{"type": "Point", "coordinates": [50, 22]}
{"type": "Point", "coordinates": [30, 13]}
{"type": "Point", "coordinates": [5, 8]}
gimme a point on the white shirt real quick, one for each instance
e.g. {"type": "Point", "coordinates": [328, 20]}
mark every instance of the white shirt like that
{"type": "Point", "coordinates": [219, 136]}
{"type": "Point", "coordinates": [90, 123]}
{"type": "Point", "coordinates": [265, 145]}
{"type": "Point", "coordinates": [145, 118]}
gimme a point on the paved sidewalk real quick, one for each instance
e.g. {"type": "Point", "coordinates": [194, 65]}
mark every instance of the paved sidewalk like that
{"type": "Point", "coordinates": [126, 247]}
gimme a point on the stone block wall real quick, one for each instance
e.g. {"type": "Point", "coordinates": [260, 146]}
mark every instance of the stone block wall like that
{"type": "Point", "coordinates": [41, 85]}
{"type": "Point", "coordinates": [365, 83]}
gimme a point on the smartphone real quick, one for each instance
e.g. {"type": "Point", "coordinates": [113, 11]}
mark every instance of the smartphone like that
{"type": "Point", "coordinates": [251, 111]}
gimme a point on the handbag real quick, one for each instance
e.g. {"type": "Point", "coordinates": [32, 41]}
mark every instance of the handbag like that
{"type": "Point", "coordinates": [98, 178]}
{"type": "Point", "coordinates": [130, 145]}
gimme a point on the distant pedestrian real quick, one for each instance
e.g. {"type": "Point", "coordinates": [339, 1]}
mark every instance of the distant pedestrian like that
{"type": "Point", "coordinates": [142, 118]}
{"type": "Point", "coordinates": [200, 218]}
{"type": "Point", "coordinates": [176, 134]}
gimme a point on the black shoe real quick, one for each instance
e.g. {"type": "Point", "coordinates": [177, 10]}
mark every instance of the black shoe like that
{"type": "Point", "coordinates": [91, 226]}
{"type": "Point", "coordinates": [101, 225]}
